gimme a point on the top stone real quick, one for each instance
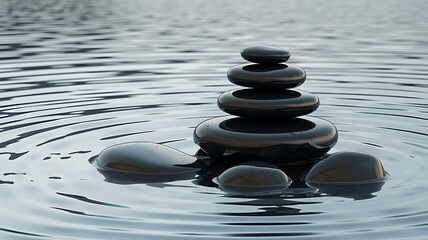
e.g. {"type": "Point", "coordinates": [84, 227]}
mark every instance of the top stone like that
{"type": "Point", "coordinates": [265, 54]}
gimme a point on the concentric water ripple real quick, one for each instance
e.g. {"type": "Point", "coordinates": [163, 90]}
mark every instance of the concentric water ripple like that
{"type": "Point", "coordinates": [79, 76]}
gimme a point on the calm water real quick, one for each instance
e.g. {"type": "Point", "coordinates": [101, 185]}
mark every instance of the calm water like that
{"type": "Point", "coordinates": [79, 76]}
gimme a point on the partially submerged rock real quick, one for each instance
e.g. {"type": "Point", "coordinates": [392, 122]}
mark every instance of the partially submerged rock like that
{"type": "Point", "coordinates": [145, 162]}
{"type": "Point", "coordinates": [253, 178]}
{"type": "Point", "coordinates": [347, 172]}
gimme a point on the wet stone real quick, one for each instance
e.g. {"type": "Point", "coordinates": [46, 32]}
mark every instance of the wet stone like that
{"type": "Point", "coordinates": [265, 54]}
{"type": "Point", "coordinates": [346, 172]}
{"type": "Point", "coordinates": [144, 161]}
{"type": "Point", "coordinates": [285, 141]}
{"type": "Point", "coordinates": [272, 77]}
{"type": "Point", "coordinates": [253, 178]}
{"type": "Point", "coordinates": [253, 103]}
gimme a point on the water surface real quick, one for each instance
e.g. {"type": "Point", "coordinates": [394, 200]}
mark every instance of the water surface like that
{"type": "Point", "coordinates": [79, 76]}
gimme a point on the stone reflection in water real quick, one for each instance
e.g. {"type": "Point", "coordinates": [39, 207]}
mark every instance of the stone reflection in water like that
{"type": "Point", "coordinates": [253, 178]}
{"type": "Point", "coordinates": [347, 173]}
{"type": "Point", "coordinates": [140, 162]}
{"type": "Point", "coordinates": [270, 206]}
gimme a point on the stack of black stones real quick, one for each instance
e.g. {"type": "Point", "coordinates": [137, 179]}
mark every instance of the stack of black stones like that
{"type": "Point", "coordinates": [270, 133]}
{"type": "Point", "coordinates": [269, 123]}
{"type": "Point", "coordinates": [268, 138]}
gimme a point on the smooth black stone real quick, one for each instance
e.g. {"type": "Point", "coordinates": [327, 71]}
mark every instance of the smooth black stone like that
{"type": "Point", "coordinates": [253, 103]}
{"type": "Point", "coordinates": [272, 77]}
{"type": "Point", "coordinates": [265, 54]}
{"type": "Point", "coordinates": [253, 178]}
{"type": "Point", "coordinates": [347, 172]}
{"type": "Point", "coordinates": [145, 162]}
{"type": "Point", "coordinates": [286, 141]}
{"type": "Point", "coordinates": [211, 169]}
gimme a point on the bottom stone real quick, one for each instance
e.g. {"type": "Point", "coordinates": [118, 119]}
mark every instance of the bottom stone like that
{"type": "Point", "coordinates": [285, 141]}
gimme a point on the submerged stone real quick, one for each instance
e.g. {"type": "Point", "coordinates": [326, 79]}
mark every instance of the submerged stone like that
{"type": "Point", "coordinates": [272, 76]}
{"type": "Point", "coordinates": [253, 178]}
{"type": "Point", "coordinates": [285, 141]}
{"type": "Point", "coordinates": [253, 103]}
{"type": "Point", "coordinates": [347, 172]}
{"type": "Point", "coordinates": [144, 161]}
{"type": "Point", "coordinates": [265, 54]}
